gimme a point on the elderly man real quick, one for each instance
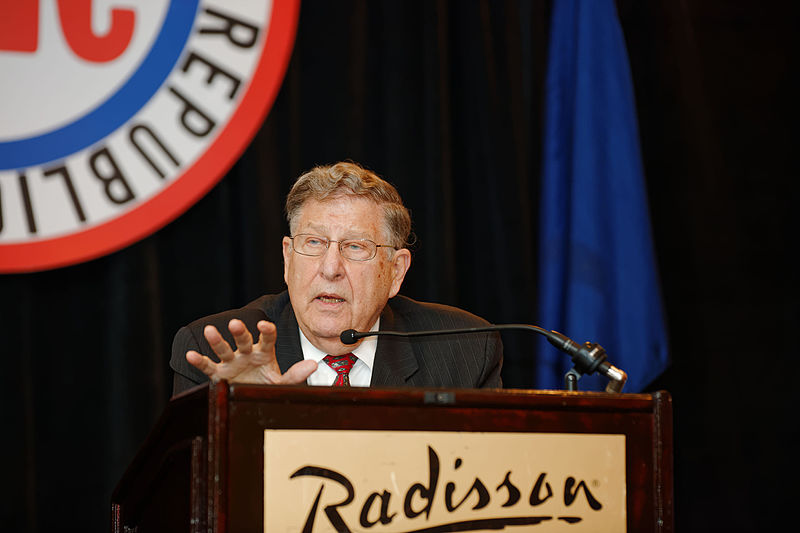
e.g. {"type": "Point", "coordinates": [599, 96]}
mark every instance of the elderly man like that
{"type": "Point", "coordinates": [343, 266]}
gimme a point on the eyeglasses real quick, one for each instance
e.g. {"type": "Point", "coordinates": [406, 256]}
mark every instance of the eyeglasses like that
{"type": "Point", "coordinates": [353, 249]}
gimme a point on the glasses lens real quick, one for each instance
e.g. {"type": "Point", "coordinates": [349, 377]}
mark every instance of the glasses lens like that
{"type": "Point", "coordinates": [310, 244]}
{"type": "Point", "coordinates": [358, 250]}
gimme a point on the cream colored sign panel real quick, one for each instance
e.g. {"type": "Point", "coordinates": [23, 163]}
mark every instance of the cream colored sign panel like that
{"type": "Point", "coordinates": [410, 481]}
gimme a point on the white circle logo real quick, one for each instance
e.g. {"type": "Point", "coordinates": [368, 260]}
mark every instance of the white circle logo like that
{"type": "Point", "coordinates": [117, 115]}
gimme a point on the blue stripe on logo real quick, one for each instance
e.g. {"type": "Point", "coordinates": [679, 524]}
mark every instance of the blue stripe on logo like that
{"type": "Point", "coordinates": [119, 108]}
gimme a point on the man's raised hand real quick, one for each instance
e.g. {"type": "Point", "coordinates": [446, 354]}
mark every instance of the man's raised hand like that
{"type": "Point", "coordinates": [250, 363]}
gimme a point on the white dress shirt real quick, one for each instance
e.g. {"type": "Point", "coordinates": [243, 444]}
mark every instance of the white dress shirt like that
{"type": "Point", "coordinates": [360, 374]}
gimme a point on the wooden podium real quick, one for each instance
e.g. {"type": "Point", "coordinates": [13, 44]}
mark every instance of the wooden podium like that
{"type": "Point", "coordinates": [202, 466]}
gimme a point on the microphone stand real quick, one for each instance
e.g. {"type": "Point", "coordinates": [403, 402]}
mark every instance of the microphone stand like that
{"type": "Point", "coordinates": [587, 358]}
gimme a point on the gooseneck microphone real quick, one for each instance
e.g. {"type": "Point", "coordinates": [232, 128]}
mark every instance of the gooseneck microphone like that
{"type": "Point", "coordinates": [587, 358]}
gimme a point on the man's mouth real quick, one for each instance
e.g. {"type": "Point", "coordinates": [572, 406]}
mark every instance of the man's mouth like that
{"type": "Point", "coordinates": [329, 299]}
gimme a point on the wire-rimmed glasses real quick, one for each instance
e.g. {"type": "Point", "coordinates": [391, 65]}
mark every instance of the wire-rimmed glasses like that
{"type": "Point", "coordinates": [353, 249]}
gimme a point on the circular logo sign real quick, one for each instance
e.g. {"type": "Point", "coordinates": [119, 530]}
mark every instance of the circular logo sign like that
{"type": "Point", "coordinates": [117, 115]}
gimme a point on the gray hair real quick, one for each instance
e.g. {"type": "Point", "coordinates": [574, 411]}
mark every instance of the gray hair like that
{"type": "Point", "coordinates": [350, 179]}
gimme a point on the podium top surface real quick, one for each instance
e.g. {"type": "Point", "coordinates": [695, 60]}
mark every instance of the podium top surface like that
{"type": "Point", "coordinates": [509, 398]}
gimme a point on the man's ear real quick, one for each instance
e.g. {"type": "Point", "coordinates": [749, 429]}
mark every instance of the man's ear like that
{"type": "Point", "coordinates": [287, 256]}
{"type": "Point", "coordinates": [400, 265]}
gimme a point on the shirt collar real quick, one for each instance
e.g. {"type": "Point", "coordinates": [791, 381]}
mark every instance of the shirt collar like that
{"type": "Point", "coordinates": [365, 351]}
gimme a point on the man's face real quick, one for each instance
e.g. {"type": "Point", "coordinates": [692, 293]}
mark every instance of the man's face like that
{"type": "Point", "coordinates": [329, 293]}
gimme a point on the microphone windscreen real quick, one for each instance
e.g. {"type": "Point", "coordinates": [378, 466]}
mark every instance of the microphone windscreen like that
{"type": "Point", "coordinates": [348, 336]}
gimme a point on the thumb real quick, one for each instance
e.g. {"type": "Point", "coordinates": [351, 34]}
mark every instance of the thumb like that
{"type": "Point", "coordinates": [298, 373]}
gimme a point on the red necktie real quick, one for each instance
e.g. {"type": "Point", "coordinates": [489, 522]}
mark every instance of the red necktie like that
{"type": "Point", "coordinates": [341, 364]}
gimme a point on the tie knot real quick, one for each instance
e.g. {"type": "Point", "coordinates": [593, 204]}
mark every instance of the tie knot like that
{"type": "Point", "coordinates": [341, 364]}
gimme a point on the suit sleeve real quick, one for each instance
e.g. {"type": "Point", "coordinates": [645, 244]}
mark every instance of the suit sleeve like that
{"type": "Point", "coordinates": [185, 375]}
{"type": "Point", "coordinates": [493, 363]}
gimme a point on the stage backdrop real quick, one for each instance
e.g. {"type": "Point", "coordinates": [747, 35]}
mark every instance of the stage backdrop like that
{"type": "Point", "coordinates": [445, 99]}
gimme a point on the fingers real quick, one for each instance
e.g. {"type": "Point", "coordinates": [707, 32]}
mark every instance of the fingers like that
{"type": "Point", "coordinates": [242, 337]}
{"type": "Point", "coordinates": [267, 334]}
{"type": "Point", "coordinates": [218, 344]}
{"type": "Point", "coordinates": [202, 363]}
{"type": "Point", "coordinates": [249, 363]}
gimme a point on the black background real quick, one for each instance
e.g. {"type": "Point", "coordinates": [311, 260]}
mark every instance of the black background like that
{"type": "Point", "coordinates": [445, 100]}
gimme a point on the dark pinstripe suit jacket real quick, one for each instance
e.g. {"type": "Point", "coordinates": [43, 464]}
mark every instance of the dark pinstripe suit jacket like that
{"type": "Point", "coordinates": [458, 361]}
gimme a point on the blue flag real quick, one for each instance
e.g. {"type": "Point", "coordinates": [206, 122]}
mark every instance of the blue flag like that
{"type": "Point", "coordinates": [598, 279]}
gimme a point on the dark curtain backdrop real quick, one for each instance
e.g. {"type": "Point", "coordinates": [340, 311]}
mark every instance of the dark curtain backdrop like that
{"type": "Point", "coordinates": [445, 100]}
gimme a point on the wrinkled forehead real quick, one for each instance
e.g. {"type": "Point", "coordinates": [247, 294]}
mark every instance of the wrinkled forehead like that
{"type": "Point", "coordinates": [358, 213]}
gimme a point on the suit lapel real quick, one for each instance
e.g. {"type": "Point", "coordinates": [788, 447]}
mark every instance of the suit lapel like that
{"type": "Point", "coordinates": [287, 346]}
{"type": "Point", "coordinates": [394, 357]}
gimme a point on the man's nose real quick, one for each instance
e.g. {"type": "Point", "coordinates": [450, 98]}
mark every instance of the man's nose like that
{"type": "Point", "coordinates": [332, 266]}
